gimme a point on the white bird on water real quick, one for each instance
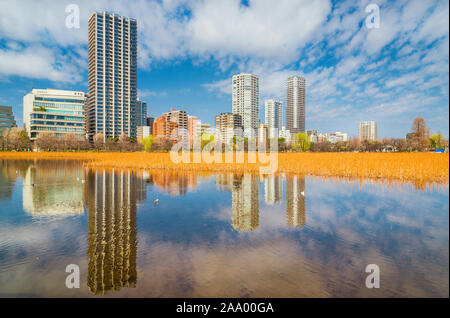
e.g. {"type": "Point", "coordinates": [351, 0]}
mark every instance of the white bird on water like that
{"type": "Point", "coordinates": [156, 201]}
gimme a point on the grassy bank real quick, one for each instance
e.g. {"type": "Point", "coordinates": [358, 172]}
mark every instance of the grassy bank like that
{"type": "Point", "coordinates": [419, 168]}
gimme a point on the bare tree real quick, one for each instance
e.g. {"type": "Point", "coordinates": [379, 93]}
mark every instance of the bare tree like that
{"type": "Point", "coordinates": [47, 141]}
{"type": "Point", "coordinates": [124, 142]}
{"type": "Point", "coordinates": [98, 141]}
{"type": "Point", "coordinates": [419, 135]}
{"type": "Point", "coordinates": [71, 142]}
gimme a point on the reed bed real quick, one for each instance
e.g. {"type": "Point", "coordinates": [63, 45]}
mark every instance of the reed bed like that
{"type": "Point", "coordinates": [418, 168]}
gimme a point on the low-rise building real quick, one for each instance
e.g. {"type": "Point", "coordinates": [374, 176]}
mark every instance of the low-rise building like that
{"type": "Point", "coordinates": [142, 132]}
{"type": "Point", "coordinates": [263, 133]}
{"type": "Point", "coordinates": [285, 133]}
{"type": "Point", "coordinates": [53, 110]}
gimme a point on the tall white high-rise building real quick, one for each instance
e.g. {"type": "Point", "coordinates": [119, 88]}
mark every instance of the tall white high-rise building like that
{"type": "Point", "coordinates": [295, 104]}
{"type": "Point", "coordinates": [112, 96]}
{"type": "Point", "coordinates": [246, 101]}
{"type": "Point", "coordinates": [368, 130]}
{"type": "Point", "coordinates": [274, 117]}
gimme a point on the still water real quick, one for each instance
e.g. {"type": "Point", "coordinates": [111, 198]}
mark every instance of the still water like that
{"type": "Point", "coordinates": [216, 235]}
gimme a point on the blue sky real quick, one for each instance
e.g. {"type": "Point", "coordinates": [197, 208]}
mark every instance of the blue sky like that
{"type": "Point", "coordinates": [188, 51]}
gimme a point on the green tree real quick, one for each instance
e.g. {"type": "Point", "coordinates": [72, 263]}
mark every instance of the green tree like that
{"type": "Point", "coordinates": [147, 142]}
{"type": "Point", "coordinates": [206, 139]}
{"type": "Point", "coordinates": [301, 142]}
{"type": "Point", "coordinates": [436, 140]}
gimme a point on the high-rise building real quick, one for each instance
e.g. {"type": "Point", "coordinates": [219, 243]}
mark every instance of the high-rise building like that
{"type": "Point", "coordinates": [368, 130]}
{"type": "Point", "coordinates": [228, 125]}
{"type": "Point", "coordinates": [53, 110]}
{"type": "Point", "coordinates": [141, 113]}
{"type": "Point", "coordinates": [181, 118]}
{"type": "Point", "coordinates": [245, 96]}
{"type": "Point", "coordinates": [274, 116]}
{"type": "Point", "coordinates": [295, 104]}
{"type": "Point", "coordinates": [7, 120]}
{"type": "Point", "coordinates": [111, 108]}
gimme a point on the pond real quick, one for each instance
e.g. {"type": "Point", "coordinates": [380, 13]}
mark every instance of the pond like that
{"type": "Point", "coordinates": [157, 233]}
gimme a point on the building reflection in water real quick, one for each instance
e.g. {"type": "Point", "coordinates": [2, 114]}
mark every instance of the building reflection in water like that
{"type": "Point", "coordinates": [52, 189]}
{"type": "Point", "coordinates": [8, 176]}
{"type": "Point", "coordinates": [295, 201]}
{"type": "Point", "coordinates": [224, 182]}
{"type": "Point", "coordinates": [245, 202]}
{"type": "Point", "coordinates": [173, 182]}
{"type": "Point", "coordinates": [112, 237]}
{"type": "Point", "coordinates": [273, 189]}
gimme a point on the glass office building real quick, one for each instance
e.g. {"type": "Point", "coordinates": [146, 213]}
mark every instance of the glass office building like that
{"type": "Point", "coordinates": [7, 120]}
{"type": "Point", "coordinates": [51, 110]}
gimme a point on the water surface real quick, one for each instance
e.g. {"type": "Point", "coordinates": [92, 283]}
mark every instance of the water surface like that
{"type": "Point", "coordinates": [216, 235]}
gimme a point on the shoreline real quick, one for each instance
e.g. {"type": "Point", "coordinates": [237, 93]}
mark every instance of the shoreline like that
{"type": "Point", "coordinates": [419, 168]}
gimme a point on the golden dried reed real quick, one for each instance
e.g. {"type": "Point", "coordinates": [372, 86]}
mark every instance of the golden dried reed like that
{"type": "Point", "coordinates": [419, 168]}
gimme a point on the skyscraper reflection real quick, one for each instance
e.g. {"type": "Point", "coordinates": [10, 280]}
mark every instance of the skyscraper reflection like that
{"type": "Point", "coordinates": [273, 189]}
{"type": "Point", "coordinates": [245, 202]}
{"type": "Point", "coordinates": [112, 236]}
{"type": "Point", "coordinates": [295, 201]}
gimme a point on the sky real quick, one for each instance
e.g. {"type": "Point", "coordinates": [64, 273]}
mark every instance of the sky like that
{"type": "Point", "coordinates": [189, 50]}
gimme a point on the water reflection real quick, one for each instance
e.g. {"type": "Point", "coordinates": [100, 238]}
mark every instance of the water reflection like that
{"type": "Point", "coordinates": [48, 190]}
{"type": "Point", "coordinates": [273, 189]}
{"type": "Point", "coordinates": [225, 235]}
{"type": "Point", "coordinates": [295, 201]}
{"type": "Point", "coordinates": [245, 202]}
{"type": "Point", "coordinates": [111, 198]}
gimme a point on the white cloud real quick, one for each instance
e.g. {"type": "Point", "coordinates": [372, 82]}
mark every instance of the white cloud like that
{"type": "Point", "coordinates": [343, 61]}
{"type": "Point", "coordinates": [39, 62]}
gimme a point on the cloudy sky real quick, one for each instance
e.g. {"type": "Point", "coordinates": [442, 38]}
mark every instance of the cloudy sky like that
{"type": "Point", "coordinates": [188, 51]}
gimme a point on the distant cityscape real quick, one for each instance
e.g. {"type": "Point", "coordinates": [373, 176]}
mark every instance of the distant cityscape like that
{"type": "Point", "coordinates": [110, 108]}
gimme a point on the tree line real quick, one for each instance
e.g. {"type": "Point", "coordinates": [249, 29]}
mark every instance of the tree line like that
{"type": "Point", "coordinates": [419, 139]}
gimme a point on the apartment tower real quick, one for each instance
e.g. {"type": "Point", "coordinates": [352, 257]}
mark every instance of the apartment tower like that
{"type": "Point", "coordinates": [368, 130]}
{"type": "Point", "coordinates": [274, 116]}
{"type": "Point", "coordinates": [112, 91]}
{"type": "Point", "coordinates": [227, 126]}
{"type": "Point", "coordinates": [245, 96]}
{"type": "Point", "coordinates": [295, 104]}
